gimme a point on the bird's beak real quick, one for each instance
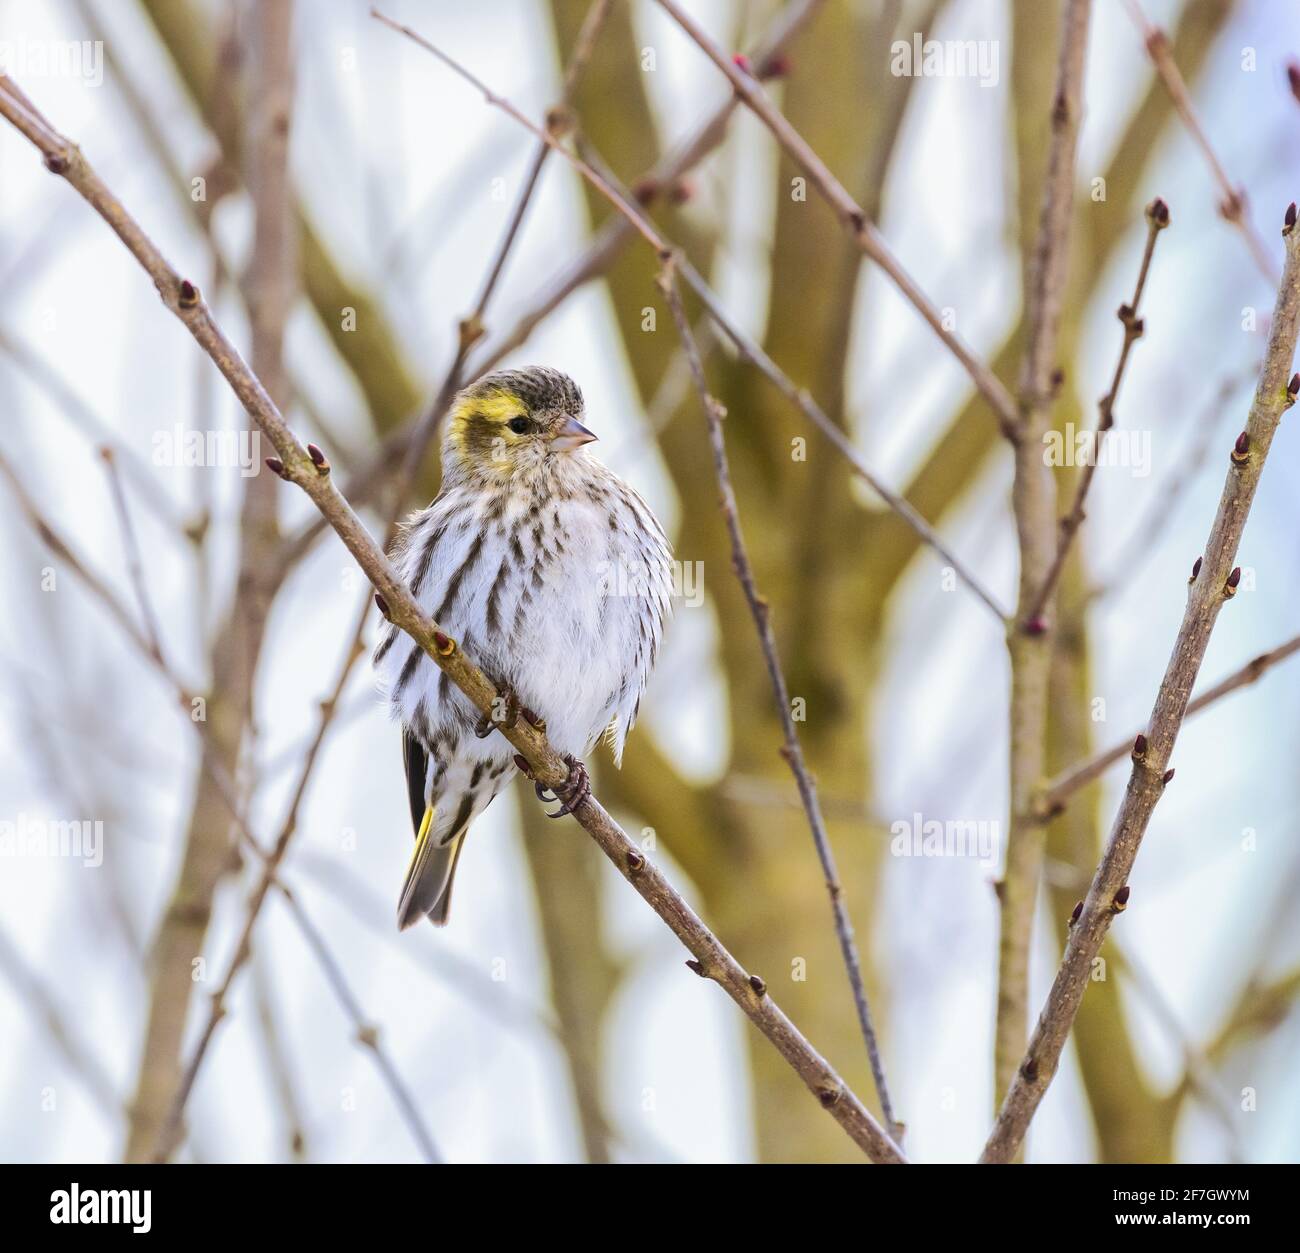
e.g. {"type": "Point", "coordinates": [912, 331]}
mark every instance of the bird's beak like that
{"type": "Point", "coordinates": [570, 435]}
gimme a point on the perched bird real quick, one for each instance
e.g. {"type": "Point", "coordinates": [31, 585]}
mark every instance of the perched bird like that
{"type": "Point", "coordinates": [554, 577]}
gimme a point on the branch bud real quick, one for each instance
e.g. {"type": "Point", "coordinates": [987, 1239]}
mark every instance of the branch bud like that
{"type": "Point", "coordinates": [1158, 214]}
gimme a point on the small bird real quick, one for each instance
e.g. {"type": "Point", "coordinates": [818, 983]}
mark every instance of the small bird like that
{"type": "Point", "coordinates": [554, 577]}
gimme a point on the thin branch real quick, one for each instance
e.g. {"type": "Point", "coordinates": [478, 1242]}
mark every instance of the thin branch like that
{"type": "Point", "coordinates": [792, 750]}
{"type": "Point", "coordinates": [860, 229]}
{"type": "Point", "coordinates": [295, 464]}
{"type": "Point", "coordinates": [1061, 788]}
{"type": "Point", "coordinates": [798, 396]}
{"type": "Point", "coordinates": [1157, 219]}
{"type": "Point", "coordinates": [1213, 583]}
{"type": "Point", "coordinates": [1033, 499]}
{"type": "Point", "coordinates": [1233, 205]}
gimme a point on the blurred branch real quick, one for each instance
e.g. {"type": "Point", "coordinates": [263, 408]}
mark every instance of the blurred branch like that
{"type": "Point", "coordinates": [1157, 220]}
{"type": "Point", "coordinates": [862, 231]}
{"type": "Point", "coordinates": [792, 750]}
{"type": "Point", "coordinates": [268, 288]}
{"type": "Point", "coordinates": [278, 1061]}
{"type": "Point", "coordinates": [1033, 497]}
{"type": "Point", "coordinates": [1233, 205]}
{"type": "Point", "coordinates": [1213, 584]}
{"type": "Point", "coordinates": [296, 465]}
{"type": "Point", "coordinates": [367, 1033]}
{"type": "Point", "coordinates": [1061, 788]}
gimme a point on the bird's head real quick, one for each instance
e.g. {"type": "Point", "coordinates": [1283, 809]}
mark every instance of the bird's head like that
{"type": "Point", "coordinates": [512, 422]}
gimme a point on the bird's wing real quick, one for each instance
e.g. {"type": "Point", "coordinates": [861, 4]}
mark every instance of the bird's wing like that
{"type": "Point", "coordinates": [416, 762]}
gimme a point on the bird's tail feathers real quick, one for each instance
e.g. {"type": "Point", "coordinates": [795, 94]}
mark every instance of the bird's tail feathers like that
{"type": "Point", "coordinates": [427, 888]}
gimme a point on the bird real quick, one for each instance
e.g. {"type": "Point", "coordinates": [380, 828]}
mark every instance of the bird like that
{"type": "Point", "coordinates": [555, 578]}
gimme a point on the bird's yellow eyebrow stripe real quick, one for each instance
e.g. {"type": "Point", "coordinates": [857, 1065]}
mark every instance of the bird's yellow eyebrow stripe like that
{"type": "Point", "coordinates": [497, 406]}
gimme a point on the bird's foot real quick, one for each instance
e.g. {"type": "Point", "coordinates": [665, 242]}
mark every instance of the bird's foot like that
{"type": "Point", "coordinates": [574, 790]}
{"type": "Point", "coordinates": [504, 713]}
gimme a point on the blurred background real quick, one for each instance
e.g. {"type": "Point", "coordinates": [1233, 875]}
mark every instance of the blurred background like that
{"type": "Point", "coordinates": [554, 1020]}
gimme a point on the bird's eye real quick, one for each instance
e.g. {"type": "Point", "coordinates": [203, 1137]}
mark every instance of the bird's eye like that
{"type": "Point", "coordinates": [520, 426]}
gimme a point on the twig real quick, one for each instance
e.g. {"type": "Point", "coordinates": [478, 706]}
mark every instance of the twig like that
{"type": "Point", "coordinates": [792, 750]}
{"type": "Point", "coordinates": [1033, 499]}
{"type": "Point", "coordinates": [1233, 205]}
{"type": "Point", "coordinates": [711, 959]}
{"type": "Point", "coordinates": [1157, 215]}
{"type": "Point", "coordinates": [744, 344]}
{"type": "Point", "coordinates": [279, 1063]}
{"type": "Point", "coordinates": [1061, 788]}
{"type": "Point", "coordinates": [861, 230]}
{"type": "Point", "coordinates": [1213, 583]}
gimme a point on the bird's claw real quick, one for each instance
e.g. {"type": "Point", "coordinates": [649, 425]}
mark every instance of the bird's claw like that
{"type": "Point", "coordinates": [573, 791]}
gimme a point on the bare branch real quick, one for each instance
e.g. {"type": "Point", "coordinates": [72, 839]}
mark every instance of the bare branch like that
{"type": "Point", "coordinates": [1233, 204]}
{"type": "Point", "coordinates": [792, 750]}
{"type": "Point", "coordinates": [863, 232]}
{"type": "Point", "coordinates": [1061, 788]}
{"type": "Point", "coordinates": [1214, 582]}
{"type": "Point", "coordinates": [1033, 499]}
{"type": "Point", "coordinates": [1157, 220]}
